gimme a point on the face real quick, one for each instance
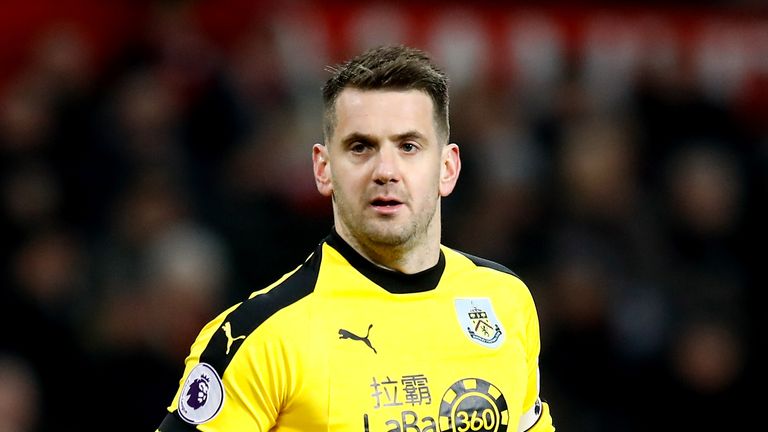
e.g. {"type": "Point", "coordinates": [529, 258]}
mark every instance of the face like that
{"type": "Point", "coordinates": [385, 167]}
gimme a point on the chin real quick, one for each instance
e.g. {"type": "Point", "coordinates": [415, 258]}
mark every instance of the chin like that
{"type": "Point", "coordinates": [389, 236]}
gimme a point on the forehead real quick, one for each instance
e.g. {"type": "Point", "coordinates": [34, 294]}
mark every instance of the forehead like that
{"type": "Point", "coordinates": [384, 112]}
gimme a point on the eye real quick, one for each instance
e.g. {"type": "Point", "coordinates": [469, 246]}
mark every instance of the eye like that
{"type": "Point", "coordinates": [409, 147]}
{"type": "Point", "coordinates": [359, 147]}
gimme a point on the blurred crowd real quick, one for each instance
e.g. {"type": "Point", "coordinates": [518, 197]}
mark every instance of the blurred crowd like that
{"type": "Point", "coordinates": [141, 195]}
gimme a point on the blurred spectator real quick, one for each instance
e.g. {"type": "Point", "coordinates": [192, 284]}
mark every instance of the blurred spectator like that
{"type": "Point", "coordinates": [161, 275]}
{"type": "Point", "coordinates": [706, 246]}
{"type": "Point", "coordinates": [43, 301]}
{"type": "Point", "coordinates": [19, 396]}
{"type": "Point", "coordinates": [502, 169]}
{"type": "Point", "coordinates": [707, 384]}
{"type": "Point", "coordinates": [31, 200]}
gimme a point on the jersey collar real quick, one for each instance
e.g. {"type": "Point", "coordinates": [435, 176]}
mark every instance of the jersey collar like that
{"type": "Point", "coordinates": [393, 281]}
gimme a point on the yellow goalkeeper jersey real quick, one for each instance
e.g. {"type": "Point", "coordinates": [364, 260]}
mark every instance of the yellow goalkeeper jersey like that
{"type": "Point", "coordinates": [340, 344]}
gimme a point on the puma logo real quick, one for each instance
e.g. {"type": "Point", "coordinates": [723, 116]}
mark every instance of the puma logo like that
{"type": "Point", "coordinates": [346, 334]}
{"type": "Point", "coordinates": [228, 333]}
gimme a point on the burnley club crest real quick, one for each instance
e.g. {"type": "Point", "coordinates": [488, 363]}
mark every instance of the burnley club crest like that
{"type": "Point", "coordinates": [479, 321]}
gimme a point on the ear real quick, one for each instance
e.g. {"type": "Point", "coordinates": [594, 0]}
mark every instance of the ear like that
{"type": "Point", "coordinates": [322, 169]}
{"type": "Point", "coordinates": [449, 169]}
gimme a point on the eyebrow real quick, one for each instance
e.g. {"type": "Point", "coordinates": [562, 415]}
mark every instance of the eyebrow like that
{"type": "Point", "coordinates": [357, 136]}
{"type": "Point", "coordinates": [409, 135]}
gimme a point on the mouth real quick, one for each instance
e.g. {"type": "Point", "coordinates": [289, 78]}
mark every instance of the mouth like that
{"type": "Point", "coordinates": [386, 205]}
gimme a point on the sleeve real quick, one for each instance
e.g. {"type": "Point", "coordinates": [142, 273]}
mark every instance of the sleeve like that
{"type": "Point", "coordinates": [228, 385]}
{"type": "Point", "coordinates": [536, 416]}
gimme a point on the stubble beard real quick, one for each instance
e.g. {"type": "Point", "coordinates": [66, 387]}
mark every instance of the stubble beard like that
{"type": "Point", "coordinates": [385, 235]}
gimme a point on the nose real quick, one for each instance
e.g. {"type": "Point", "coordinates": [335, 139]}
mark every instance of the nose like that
{"type": "Point", "coordinates": [387, 166]}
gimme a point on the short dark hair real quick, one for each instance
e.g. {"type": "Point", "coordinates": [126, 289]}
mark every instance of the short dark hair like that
{"type": "Point", "coordinates": [388, 67]}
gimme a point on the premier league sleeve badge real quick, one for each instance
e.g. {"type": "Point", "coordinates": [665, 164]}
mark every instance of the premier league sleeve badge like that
{"type": "Point", "coordinates": [202, 396]}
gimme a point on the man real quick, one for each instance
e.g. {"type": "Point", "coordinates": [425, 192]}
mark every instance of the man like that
{"type": "Point", "coordinates": [381, 328]}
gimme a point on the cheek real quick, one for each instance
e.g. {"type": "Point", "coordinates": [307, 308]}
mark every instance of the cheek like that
{"type": "Point", "coordinates": [426, 188]}
{"type": "Point", "coordinates": [436, 174]}
{"type": "Point", "coordinates": [351, 180]}
{"type": "Point", "coordinates": [345, 188]}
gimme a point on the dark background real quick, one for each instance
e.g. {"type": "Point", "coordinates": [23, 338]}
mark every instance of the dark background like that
{"type": "Point", "coordinates": [155, 168]}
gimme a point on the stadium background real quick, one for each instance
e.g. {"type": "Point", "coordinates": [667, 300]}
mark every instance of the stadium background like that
{"type": "Point", "coordinates": [155, 167]}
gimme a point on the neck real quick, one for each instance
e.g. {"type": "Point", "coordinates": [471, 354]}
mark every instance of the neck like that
{"type": "Point", "coordinates": [418, 253]}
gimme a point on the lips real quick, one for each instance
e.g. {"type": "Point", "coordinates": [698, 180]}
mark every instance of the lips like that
{"type": "Point", "coordinates": [385, 202]}
{"type": "Point", "coordinates": [386, 205]}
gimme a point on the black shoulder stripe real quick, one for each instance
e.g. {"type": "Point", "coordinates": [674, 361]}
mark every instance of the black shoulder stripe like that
{"type": "Point", "coordinates": [481, 262]}
{"type": "Point", "coordinates": [247, 317]}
